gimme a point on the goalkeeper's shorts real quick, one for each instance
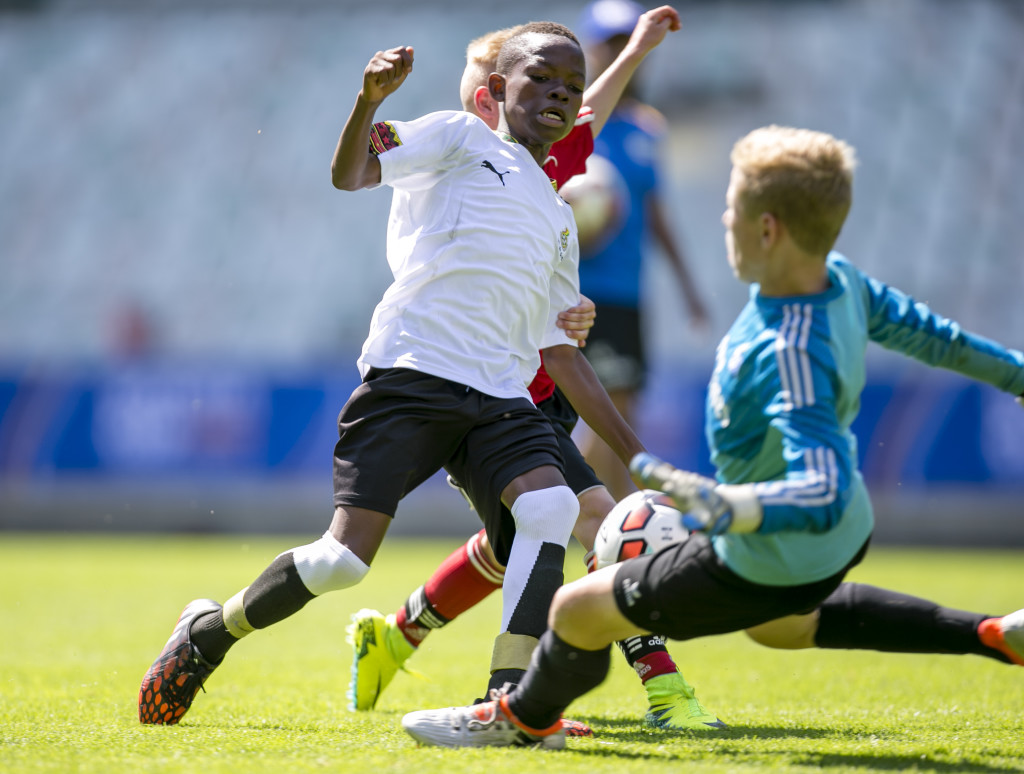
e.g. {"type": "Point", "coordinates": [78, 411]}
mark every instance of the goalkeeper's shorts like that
{"type": "Point", "coordinates": [686, 591]}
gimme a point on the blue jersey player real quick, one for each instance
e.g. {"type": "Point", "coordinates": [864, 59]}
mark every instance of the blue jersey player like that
{"type": "Point", "coordinates": [789, 514]}
{"type": "Point", "coordinates": [612, 263]}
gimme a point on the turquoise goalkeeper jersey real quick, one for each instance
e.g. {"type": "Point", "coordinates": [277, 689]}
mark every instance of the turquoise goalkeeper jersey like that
{"type": "Point", "coordinates": [786, 388]}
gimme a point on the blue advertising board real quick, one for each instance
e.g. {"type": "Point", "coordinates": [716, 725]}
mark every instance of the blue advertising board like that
{"type": "Point", "coordinates": [206, 422]}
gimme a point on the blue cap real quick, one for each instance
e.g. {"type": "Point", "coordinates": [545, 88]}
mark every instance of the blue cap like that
{"type": "Point", "coordinates": [604, 19]}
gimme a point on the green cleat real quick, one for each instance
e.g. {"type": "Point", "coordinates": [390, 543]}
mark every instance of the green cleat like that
{"type": "Point", "coordinates": [380, 650]}
{"type": "Point", "coordinates": [675, 707]}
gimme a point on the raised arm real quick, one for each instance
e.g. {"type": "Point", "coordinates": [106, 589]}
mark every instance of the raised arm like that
{"type": "Point", "coordinates": [353, 166]}
{"type": "Point", "coordinates": [575, 377]}
{"type": "Point", "coordinates": [898, 322]}
{"type": "Point", "coordinates": [604, 93]}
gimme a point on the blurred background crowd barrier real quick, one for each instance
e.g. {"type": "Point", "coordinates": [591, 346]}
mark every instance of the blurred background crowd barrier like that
{"type": "Point", "coordinates": [183, 294]}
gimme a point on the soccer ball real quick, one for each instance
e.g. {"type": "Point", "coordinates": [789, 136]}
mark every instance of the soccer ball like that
{"type": "Point", "coordinates": [599, 201]}
{"type": "Point", "coordinates": [642, 523]}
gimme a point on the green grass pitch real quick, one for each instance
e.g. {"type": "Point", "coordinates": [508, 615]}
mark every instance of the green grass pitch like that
{"type": "Point", "coordinates": [84, 615]}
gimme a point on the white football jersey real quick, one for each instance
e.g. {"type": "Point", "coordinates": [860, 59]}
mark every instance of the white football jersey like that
{"type": "Point", "coordinates": [483, 251]}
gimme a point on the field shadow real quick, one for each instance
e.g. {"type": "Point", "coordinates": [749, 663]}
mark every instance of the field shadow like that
{"type": "Point", "coordinates": [898, 763]}
{"type": "Point", "coordinates": [626, 731]}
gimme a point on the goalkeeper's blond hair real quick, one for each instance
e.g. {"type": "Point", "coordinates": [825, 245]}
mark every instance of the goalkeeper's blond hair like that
{"type": "Point", "coordinates": [481, 61]}
{"type": "Point", "coordinates": [802, 177]}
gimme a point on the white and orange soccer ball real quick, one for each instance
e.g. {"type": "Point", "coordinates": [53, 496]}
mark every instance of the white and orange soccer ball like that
{"type": "Point", "coordinates": [641, 523]}
{"type": "Point", "coordinates": [599, 201]}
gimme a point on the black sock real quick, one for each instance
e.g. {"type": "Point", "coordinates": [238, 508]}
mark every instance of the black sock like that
{"type": "Point", "coordinates": [209, 634]}
{"type": "Point", "coordinates": [530, 616]}
{"type": "Point", "coordinates": [421, 613]}
{"type": "Point", "coordinates": [635, 648]}
{"type": "Point", "coordinates": [277, 593]}
{"type": "Point", "coordinates": [558, 674]}
{"type": "Point", "coordinates": [858, 616]}
{"type": "Point", "coordinates": [501, 677]}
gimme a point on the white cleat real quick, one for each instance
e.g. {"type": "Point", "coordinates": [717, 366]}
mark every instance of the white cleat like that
{"type": "Point", "coordinates": [488, 724]}
{"type": "Point", "coordinates": [1006, 635]}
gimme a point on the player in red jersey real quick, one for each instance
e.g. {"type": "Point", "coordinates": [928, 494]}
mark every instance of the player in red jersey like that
{"type": "Point", "coordinates": [472, 572]}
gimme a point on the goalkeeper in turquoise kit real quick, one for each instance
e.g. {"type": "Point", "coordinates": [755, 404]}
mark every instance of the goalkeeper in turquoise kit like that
{"type": "Point", "coordinates": [788, 515]}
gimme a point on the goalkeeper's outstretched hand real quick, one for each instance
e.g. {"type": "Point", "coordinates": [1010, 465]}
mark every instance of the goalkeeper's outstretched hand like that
{"type": "Point", "coordinates": [706, 506]}
{"type": "Point", "coordinates": [703, 509]}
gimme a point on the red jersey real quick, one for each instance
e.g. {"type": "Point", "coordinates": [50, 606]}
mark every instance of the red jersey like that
{"type": "Point", "coordinates": [568, 158]}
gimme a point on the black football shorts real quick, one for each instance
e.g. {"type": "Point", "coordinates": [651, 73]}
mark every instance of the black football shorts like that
{"type": "Point", "coordinates": [685, 591]}
{"type": "Point", "coordinates": [401, 426]}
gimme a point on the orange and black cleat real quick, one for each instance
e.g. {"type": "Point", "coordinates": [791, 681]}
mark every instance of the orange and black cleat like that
{"type": "Point", "coordinates": [174, 679]}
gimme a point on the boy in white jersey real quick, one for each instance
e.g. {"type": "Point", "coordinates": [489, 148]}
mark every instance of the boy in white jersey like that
{"type": "Point", "coordinates": [484, 256]}
{"type": "Point", "coordinates": [382, 644]}
{"type": "Point", "coordinates": [789, 514]}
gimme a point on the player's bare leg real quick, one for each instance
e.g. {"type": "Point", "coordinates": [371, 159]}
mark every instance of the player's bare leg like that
{"type": "Point", "coordinates": [672, 703]}
{"type": "Point", "coordinates": [205, 630]}
{"type": "Point", "coordinates": [863, 617]}
{"type": "Point", "coordinates": [599, 455]}
{"type": "Point", "coordinates": [545, 511]}
{"type": "Point", "coordinates": [382, 644]}
{"type": "Point", "coordinates": [790, 633]}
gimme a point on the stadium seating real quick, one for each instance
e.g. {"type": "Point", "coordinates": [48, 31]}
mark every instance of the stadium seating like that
{"type": "Point", "coordinates": [164, 197]}
{"type": "Point", "coordinates": [177, 161]}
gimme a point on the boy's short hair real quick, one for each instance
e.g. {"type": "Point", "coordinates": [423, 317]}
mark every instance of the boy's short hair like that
{"type": "Point", "coordinates": [481, 61]}
{"type": "Point", "coordinates": [517, 48]}
{"type": "Point", "coordinates": [802, 177]}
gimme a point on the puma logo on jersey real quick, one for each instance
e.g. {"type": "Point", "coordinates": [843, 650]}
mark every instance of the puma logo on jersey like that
{"type": "Point", "coordinates": [501, 175]}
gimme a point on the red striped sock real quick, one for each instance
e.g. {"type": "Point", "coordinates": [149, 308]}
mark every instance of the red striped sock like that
{"type": "Point", "coordinates": [654, 665]}
{"type": "Point", "coordinates": [462, 580]}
